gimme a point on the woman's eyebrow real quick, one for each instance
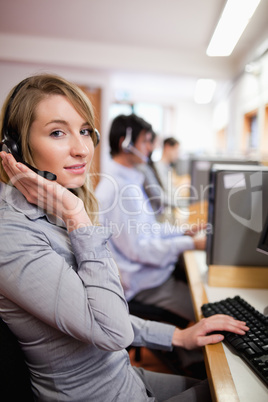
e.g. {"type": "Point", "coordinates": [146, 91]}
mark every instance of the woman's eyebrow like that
{"type": "Point", "coordinates": [58, 121]}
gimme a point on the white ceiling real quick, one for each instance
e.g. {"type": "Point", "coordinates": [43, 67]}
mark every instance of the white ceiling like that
{"type": "Point", "coordinates": [162, 36]}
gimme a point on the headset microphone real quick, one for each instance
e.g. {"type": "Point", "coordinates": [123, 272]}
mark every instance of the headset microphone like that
{"type": "Point", "coordinates": [128, 146]}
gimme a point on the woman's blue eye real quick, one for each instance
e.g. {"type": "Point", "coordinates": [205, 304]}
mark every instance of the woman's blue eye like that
{"type": "Point", "coordinates": [86, 131]}
{"type": "Point", "coordinates": [57, 133]}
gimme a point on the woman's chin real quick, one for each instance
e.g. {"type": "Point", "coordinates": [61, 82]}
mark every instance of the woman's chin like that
{"type": "Point", "coordinates": [71, 185]}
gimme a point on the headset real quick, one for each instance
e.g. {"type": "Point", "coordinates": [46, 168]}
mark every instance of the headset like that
{"type": "Point", "coordinates": [128, 146]}
{"type": "Point", "coordinates": [10, 143]}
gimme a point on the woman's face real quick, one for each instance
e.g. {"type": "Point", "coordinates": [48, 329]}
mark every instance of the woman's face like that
{"type": "Point", "coordinates": [60, 141]}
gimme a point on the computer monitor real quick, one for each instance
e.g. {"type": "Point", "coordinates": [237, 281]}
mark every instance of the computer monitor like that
{"type": "Point", "coordinates": [263, 248]}
{"type": "Point", "coordinates": [236, 214]}
{"type": "Point", "coordinates": [263, 242]}
{"type": "Point", "coordinates": [200, 171]}
{"type": "Point", "coordinates": [182, 166]}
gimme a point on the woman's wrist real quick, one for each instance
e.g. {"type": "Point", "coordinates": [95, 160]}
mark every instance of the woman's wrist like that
{"type": "Point", "coordinates": [177, 339]}
{"type": "Point", "coordinates": [75, 215]}
{"type": "Point", "coordinates": [77, 221]}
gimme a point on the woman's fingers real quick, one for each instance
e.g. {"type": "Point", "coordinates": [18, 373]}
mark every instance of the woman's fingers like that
{"type": "Point", "coordinates": [20, 175]}
{"type": "Point", "coordinates": [211, 339]}
{"type": "Point", "coordinates": [219, 323]}
{"type": "Point", "coordinates": [228, 323]}
{"type": "Point", "coordinates": [35, 188]}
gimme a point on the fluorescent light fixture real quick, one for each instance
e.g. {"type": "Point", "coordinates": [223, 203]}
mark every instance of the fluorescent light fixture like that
{"type": "Point", "coordinates": [204, 91]}
{"type": "Point", "coordinates": [234, 19]}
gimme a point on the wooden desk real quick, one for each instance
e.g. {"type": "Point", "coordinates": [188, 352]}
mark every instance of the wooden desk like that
{"type": "Point", "coordinates": [196, 214]}
{"type": "Point", "coordinates": [229, 377]}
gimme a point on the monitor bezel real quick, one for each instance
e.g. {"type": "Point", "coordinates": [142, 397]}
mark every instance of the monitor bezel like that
{"type": "Point", "coordinates": [262, 247]}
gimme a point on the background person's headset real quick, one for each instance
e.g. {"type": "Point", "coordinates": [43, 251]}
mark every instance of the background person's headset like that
{"type": "Point", "coordinates": [11, 141]}
{"type": "Point", "coordinates": [128, 146]}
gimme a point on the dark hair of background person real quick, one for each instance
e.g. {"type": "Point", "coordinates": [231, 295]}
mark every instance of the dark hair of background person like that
{"type": "Point", "coordinates": [171, 141]}
{"type": "Point", "coordinates": [119, 127]}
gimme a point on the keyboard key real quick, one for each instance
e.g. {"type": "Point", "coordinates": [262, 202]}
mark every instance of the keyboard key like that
{"type": "Point", "coordinates": [255, 347]}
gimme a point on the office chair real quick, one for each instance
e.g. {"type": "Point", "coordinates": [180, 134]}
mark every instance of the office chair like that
{"type": "Point", "coordinates": [155, 313]}
{"type": "Point", "coordinates": [14, 374]}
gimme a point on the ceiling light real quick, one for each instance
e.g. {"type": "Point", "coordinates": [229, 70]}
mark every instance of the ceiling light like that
{"type": "Point", "coordinates": [204, 91]}
{"type": "Point", "coordinates": [234, 19]}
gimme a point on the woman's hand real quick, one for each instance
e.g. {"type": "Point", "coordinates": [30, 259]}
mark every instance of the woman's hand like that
{"type": "Point", "coordinates": [200, 334]}
{"type": "Point", "coordinates": [48, 195]}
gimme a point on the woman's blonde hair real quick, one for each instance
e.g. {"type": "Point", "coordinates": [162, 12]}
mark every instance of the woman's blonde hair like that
{"type": "Point", "coordinates": [19, 112]}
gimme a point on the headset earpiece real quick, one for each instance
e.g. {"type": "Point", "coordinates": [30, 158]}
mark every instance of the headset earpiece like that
{"type": "Point", "coordinates": [127, 143]}
{"type": "Point", "coordinates": [97, 134]}
{"type": "Point", "coordinates": [128, 146]}
{"type": "Point", "coordinates": [9, 146]}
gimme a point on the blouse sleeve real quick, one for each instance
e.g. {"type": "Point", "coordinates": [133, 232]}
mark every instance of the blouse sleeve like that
{"type": "Point", "coordinates": [152, 334]}
{"type": "Point", "coordinates": [85, 301]}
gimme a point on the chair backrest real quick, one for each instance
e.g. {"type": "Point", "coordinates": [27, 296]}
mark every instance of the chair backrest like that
{"type": "Point", "coordinates": [155, 313]}
{"type": "Point", "coordinates": [14, 374]}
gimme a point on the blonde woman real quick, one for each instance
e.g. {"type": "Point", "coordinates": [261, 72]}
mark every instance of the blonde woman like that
{"type": "Point", "coordinates": [60, 292]}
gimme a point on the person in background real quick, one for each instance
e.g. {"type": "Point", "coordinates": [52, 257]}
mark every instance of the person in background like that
{"type": "Point", "coordinates": [145, 250]}
{"type": "Point", "coordinates": [168, 177]}
{"type": "Point", "coordinates": [152, 183]}
{"type": "Point", "coordinates": [161, 183]}
{"type": "Point", "coordinates": [60, 291]}
{"type": "Point", "coordinates": [164, 166]}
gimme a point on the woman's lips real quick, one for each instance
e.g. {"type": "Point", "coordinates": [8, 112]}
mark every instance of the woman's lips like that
{"type": "Point", "coordinates": [77, 169]}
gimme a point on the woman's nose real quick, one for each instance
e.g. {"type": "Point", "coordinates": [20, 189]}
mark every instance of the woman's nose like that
{"type": "Point", "coordinates": [79, 147]}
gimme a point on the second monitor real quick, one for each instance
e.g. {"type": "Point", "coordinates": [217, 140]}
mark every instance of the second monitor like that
{"type": "Point", "coordinates": [200, 170]}
{"type": "Point", "coordinates": [236, 214]}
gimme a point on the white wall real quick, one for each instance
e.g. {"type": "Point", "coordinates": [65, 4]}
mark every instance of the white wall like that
{"type": "Point", "coordinates": [183, 118]}
{"type": "Point", "coordinates": [249, 92]}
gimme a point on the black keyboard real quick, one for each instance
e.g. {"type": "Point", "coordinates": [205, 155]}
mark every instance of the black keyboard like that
{"type": "Point", "coordinates": [251, 347]}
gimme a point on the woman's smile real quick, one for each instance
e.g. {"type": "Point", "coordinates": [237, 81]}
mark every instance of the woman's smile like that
{"type": "Point", "coordinates": [76, 169]}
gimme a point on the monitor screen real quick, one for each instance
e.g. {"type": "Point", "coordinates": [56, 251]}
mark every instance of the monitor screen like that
{"type": "Point", "coordinates": [236, 215]}
{"type": "Point", "coordinates": [263, 242]}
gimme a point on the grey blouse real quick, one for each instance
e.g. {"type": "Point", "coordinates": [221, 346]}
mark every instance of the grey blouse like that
{"type": "Point", "coordinates": [60, 294]}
